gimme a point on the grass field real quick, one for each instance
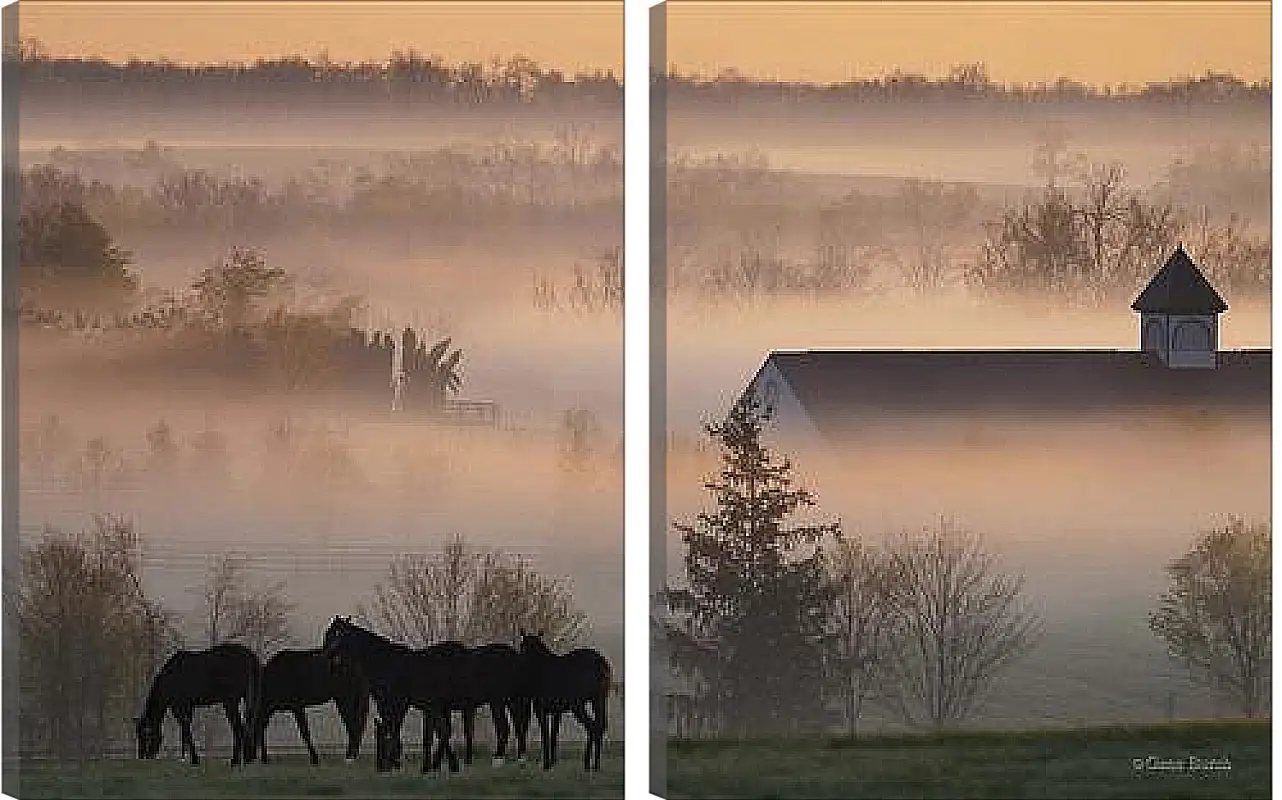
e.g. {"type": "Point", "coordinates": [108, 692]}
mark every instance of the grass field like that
{"type": "Point", "coordinates": [1081, 763]}
{"type": "Point", "coordinates": [291, 776]}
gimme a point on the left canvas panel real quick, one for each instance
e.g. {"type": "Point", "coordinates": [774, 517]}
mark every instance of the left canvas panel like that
{"type": "Point", "coordinates": [314, 359]}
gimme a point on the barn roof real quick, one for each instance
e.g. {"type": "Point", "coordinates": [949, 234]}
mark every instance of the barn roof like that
{"type": "Point", "coordinates": [836, 387]}
{"type": "Point", "coordinates": [1179, 287]}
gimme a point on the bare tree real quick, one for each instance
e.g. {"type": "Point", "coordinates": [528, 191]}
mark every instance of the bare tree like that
{"type": "Point", "coordinates": [234, 608]}
{"type": "Point", "coordinates": [1088, 241]}
{"type": "Point", "coordinates": [862, 619]}
{"type": "Point", "coordinates": [580, 435]}
{"type": "Point", "coordinates": [959, 621]}
{"type": "Point", "coordinates": [1052, 158]}
{"type": "Point", "coordinates": [42, 446]}
{"type": "Point", "coordinates": [1233, 259]}
{"type": "Point", "coordinates": [933, 211]}
{"type": "Point", "coordinates": [89, 638]}
{"type": "Point", "coordinates": [162, 449]}
{"type": "Point", "coordinates": [209, 453]}
{"type": "Point", "coordinates": [102, 465]}
{"type": "Point", "coordinates": [1216, 615]}
{"type": "Point", "coordinates": [472, 596]}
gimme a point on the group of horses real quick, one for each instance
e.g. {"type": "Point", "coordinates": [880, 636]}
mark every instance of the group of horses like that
{"type": "Point", "coordinates": [355, 664]}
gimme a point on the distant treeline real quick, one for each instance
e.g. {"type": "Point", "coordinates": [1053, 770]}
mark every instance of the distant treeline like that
{"type": "Point", "coordinates": [569, 180]}
{"type": "Point", "coordinates": [965, 82]}
{"type": "Point", "coordinates": [515, 79]}
{"type": "Point", "coordinates": [739, 229]}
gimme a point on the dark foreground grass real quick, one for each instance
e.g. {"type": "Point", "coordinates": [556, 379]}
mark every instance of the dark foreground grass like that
{"type": "Point", "coordinates": [1080, 763]}
{"type": "Point", "coordinates": [293, 777]}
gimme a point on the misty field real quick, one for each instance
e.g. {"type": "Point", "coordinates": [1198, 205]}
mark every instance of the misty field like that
{"type": "Point", "coordinates": [292, 776]}
{"type": "Point", "coordinates": [1079, 763]}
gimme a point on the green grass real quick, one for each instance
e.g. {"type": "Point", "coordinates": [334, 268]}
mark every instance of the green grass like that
{"type": "Point", "coordinates": [293, 777]}
{"type": "Point", "coordinates": [1075, 763]}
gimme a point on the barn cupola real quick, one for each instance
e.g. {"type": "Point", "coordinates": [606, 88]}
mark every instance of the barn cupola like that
{"type": "Point", "coordinates": [1179, 314]}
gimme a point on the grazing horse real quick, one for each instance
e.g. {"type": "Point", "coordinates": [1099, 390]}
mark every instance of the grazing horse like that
{"type": "Point", "coordinates": [296, 679]}
{"type": "Point", "coordinates": [225, 673]}
{"type": "Point", "coordinates": [560, 683]}
{"type": "Point", "coordinates": [401, 678]}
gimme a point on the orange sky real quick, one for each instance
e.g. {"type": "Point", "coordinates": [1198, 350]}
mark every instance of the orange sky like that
{"type": "Point", "coordinates": [1092, 41]}
{"type": "Point", "coordinates": [1096, 42]}
{"type": "Point", "coordinates": [571, 35]}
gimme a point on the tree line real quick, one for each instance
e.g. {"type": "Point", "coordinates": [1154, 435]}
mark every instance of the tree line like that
{"type": "Point", "coordinates": [405, 73]}
{"type": "Point", "coordinates": [90, 636]}
{"type": "Point", "coordinates": [782, 625]}
{"type": "Point", "coordinates": [503, 183]}
{"type": "Point", "coordinates": [968, 82]}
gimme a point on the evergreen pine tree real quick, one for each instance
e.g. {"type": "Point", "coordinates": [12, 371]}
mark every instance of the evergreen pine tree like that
{"type": "Point", "coordinates": [750, 623]}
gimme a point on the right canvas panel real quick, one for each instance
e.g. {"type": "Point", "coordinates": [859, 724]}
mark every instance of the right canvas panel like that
{"type": "Point", "coordinates": [964, 378]}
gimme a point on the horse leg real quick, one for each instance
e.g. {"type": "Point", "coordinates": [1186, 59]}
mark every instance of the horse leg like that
{"type": "Point", "coordinates": [184, 724]}
{"type": "Point", "coordinates": [520, 709]}
{"type": "Point", "coordinates": [598, 714]}
{"type": "Point", "coordinates": [543, 737]}
{"type": "Point", "coordinates": [354, 718]}
{"type": "Point", "coordinates": [469, 728]}
{"type": "Point", "coordinates": [554, 727]}
{"type": "Point", "coordinates": [300, 718]}
{"type": "Point", "coordinates": [260, 735]}
{"type": "Point", "coordinates": [590, 726]}
{"type": "Point", "coordinates": [250, 726]}
{"type": "Point", "coordinates": [232, 709]}
{"type": "Point", "coordinates": [498, 714]}
{"type": "Point", "coordinates": [430, 730]}
{"type": "Point", "coordinates": [444, 733]}
{"type": "Point", "coordinates": [598, 717]}
{"type": "Point", "coordinates": [395, 722]}
{"type": "Point", "coordinates": [436, 723]}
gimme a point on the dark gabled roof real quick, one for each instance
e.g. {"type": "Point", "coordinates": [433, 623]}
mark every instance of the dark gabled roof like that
{"type": "Point", "coordinates": [839, 387]}
{"type": "Point", "coordinates": [1179, 287]}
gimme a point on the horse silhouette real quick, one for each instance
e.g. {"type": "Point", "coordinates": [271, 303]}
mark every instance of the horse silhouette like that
{"type": "Point", "coordinates": [401, 678]}
{"type": "Point", "coordinates": [296, 679]}
{"type": "Point", "coordinates": [226, 673]}
{"type": "Point", "coordinates": [560, 683]}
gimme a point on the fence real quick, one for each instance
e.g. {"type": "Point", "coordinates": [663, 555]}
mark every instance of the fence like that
{"type": "Point", "coordinates": [473, 412]}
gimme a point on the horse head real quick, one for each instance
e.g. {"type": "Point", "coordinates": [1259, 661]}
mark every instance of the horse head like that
{"type": "Point", "coordinates": [533, 644]}
{"type": "Point", "coordinates": [148, 734]}
{"type": "Point", "coordinates": [339, 628]}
